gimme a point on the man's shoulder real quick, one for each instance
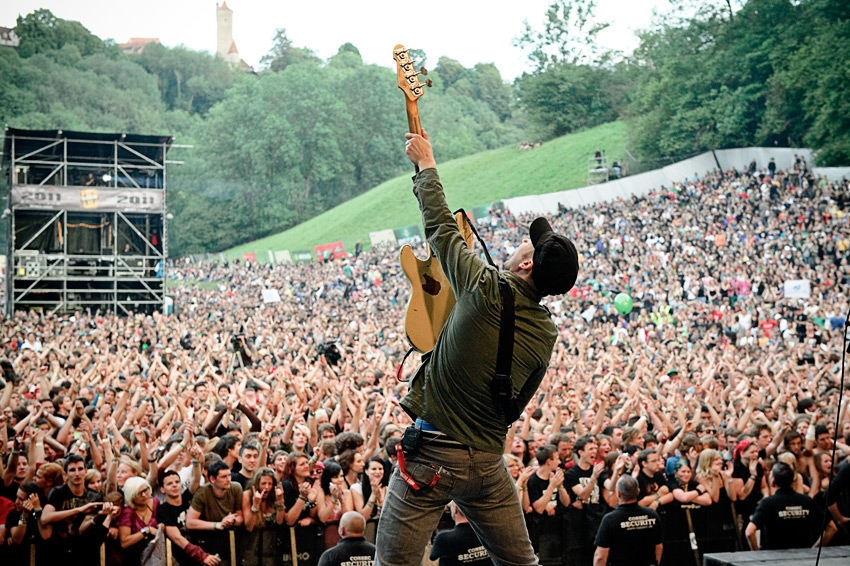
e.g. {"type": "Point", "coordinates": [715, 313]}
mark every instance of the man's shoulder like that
{"type": "Point", "coordinates": [459, 532]}
{"type": "Point", "coordinates": [201, 494]}
{"type": "Point", "coordinates": [57, 491]}
{"type": "Point", "coordinates": [791, 497]}
{"type": "Point", "coordinates": [358, 543]}
{"type": "Point", "coordinates": [59, 494]}
{"type": "Point", "coordinates": [238, 478]}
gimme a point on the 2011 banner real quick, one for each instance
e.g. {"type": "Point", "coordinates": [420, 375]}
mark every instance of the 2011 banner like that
{"type": "Point", "coordinates": [36, 197]}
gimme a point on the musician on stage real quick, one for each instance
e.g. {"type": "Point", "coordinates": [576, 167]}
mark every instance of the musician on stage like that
{"type": "Point", "coordinates": [454, 451]}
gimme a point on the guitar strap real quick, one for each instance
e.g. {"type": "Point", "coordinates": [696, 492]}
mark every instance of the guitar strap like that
{"type": "Point", "coordinates": [502, 386]}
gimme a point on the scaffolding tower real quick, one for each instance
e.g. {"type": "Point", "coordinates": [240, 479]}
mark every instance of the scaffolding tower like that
{"type": "Point", "coordinates": [86, 221]}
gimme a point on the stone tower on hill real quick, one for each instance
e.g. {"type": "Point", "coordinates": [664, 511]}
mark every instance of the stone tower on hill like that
{"type": "Point", "coordinates": [225, 46]}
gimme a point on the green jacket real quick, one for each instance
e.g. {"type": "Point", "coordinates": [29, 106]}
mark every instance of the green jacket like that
{"type": "Point", "coordinates": [452, 388]}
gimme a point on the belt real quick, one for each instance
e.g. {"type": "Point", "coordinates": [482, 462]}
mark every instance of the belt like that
{"type": "Point", "coordinates": [440, 440]}
{"type": "Point", "coordinates": [434, 437]}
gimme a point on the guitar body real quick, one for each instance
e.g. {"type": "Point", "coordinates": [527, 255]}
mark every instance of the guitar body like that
{"type": "Point", "coordinates": [431, 297]}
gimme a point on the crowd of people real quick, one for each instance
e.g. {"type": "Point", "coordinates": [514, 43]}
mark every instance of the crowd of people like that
{"type": "Point", "coordinates": [242, 431]}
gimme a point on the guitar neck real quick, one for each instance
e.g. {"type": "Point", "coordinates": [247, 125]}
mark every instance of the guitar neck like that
{"type": "Point", "coordinates": [408, 82]}
{"type": "Point", "coordinates": [413, 120]}
{"type": "Point", "coordinates": [413, 116]}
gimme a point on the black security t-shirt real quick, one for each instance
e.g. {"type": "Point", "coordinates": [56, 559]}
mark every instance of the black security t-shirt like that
{"type": "Point", "coordinates": [349, 551]}
{"type": "Point", "coordinates": [786, 520]}
{"type": "Point", "coordinates": [630, 533]}
{"type": "Point", "coordinates": [459, 547]}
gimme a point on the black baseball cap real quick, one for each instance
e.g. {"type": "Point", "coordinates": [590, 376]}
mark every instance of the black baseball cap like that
{"type": "Point", "coordinates": [555, 259]}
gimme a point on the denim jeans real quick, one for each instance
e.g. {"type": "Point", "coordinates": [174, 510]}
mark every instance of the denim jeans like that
{"type": "Point", "coordinates": [478, 482]}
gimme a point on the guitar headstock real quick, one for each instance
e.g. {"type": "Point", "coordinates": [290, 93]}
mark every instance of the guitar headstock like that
{"type": "Point", "coordinates": [408, 76]}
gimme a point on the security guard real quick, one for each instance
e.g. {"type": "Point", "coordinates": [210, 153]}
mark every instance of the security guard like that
{"type": "Point", "coordinates": [630, 535]}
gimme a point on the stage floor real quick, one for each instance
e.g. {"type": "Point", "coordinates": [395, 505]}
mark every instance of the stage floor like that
{"type": "Point", "coordinates": [830, 556]}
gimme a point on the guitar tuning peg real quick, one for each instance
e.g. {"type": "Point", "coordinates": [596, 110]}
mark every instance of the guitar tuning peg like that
{"type": "Point", "coordinates": [429, 83]}
{"type": "Point", "coordinates": [423, 71]}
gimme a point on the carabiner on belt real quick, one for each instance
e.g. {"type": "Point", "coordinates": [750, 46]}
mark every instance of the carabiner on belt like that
{"type": "Point", "coordinates": [402, 471]}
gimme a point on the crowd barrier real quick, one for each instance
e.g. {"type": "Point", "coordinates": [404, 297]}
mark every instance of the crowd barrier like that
{"type": "Point", "coordinates": [565, 539]}
{"type": "Point", "coordinates": [832, 173]}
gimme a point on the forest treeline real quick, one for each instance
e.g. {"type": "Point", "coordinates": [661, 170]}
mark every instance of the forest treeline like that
{"type": "Point", "coordinates": [273, 148]}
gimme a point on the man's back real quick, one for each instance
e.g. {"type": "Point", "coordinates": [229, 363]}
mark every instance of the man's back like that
{"type": "Point", "coordinates": [631, 532]}
{"type": "Point", "coordinates": [351, 551]}
{"type": "Point", "coordinates": [459, 546]}
{"type": "Point", "coordinates": [453, 389]}
{"type": "Point", "coordinates": [786, 520]}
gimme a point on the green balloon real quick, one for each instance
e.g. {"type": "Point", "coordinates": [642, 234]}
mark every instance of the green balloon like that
{"type": "Point", "coordinates": [623, 303]}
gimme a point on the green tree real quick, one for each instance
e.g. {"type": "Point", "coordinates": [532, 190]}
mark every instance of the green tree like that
{"type": "Point", "coordinates": [567, 97]}
{"type": "Point", "coordinates": [376, 126]}
{"type": "Point", "coordinates": [283, 54]}
{"type": "Point", "coordinates": [482, 82]}
{"type": "Point", "coordinates": [17, 82]}
{"type": "Point", "coordinates": [274, 140]}
{"type": "Point", "coordinates": [41, 32]}
{"type": "Point", "coordinates": [493, 91]}
{"type": "Point", "coordinates": [188, 80]}
{"type": "Point", "coordinates": [348, 56]}
{"type": "Point", "coordinates": [96, 93]}
{"type": "Point", "coordinates": [568, 35]}
{"type": "Point", "coordinates": [708, 83]}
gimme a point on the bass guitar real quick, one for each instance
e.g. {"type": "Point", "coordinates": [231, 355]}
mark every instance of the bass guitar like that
{"type": "Point", "coordinates": [431, 297]}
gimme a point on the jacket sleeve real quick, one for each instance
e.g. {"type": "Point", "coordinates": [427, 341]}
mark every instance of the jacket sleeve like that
{"type": "Point", "coordinates": [462, 267]}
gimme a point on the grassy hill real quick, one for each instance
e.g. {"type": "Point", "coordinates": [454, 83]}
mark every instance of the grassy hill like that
{"type": "Point", "coordinates": [469, 182]}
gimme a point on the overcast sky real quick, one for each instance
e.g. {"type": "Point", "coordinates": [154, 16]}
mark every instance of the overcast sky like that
{"type": "Point", "coordinates": [470, 31]}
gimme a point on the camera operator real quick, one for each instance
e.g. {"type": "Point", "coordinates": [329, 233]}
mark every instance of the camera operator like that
{"type": "Point", "coordinates": [242, 348]}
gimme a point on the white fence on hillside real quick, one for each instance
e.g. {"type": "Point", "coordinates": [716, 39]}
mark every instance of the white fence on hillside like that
{"type": "Point", "coordinates": [643, 183]}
